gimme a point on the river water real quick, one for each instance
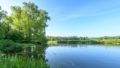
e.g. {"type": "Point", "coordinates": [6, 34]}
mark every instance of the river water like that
{"type": "Point", "coordinates": [83, 56]}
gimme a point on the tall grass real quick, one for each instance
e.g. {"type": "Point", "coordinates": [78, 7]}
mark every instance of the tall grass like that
{"type": "Point", "coordinates": [21, 62]}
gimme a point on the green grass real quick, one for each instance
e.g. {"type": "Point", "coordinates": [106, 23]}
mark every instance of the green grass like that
{"type": "Point", "coordinates": [23, 59]}
{"type": "Point", "coordinates": [21, 62]}
{"type": "Point", "coordinates": [109, 41]}
{"type": "Point", "coordinates": [52, 42]}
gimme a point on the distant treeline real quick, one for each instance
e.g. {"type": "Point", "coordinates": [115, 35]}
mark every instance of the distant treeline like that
{"type": "Point", "coordinates": [85, 40]}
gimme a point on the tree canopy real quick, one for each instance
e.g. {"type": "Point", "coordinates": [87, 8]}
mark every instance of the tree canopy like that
{"type": "Point", "coordinates": [2, 18]}
{"type": "Point", "coordinates": [27, 20]}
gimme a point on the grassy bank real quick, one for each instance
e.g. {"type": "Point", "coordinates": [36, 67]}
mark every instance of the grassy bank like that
{"type": "Point", "coordinates": [21, 62]}
{"type": "Point", "coordinates": [52, 42]}
{"type": "Point", "coordinates": [22, 55]}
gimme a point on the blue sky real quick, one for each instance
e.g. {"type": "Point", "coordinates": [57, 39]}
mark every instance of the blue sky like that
{"type": "Point", "coordinates": [92, 18]}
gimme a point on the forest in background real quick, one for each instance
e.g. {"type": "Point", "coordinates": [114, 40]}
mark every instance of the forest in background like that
{"type": "Point", "coordinates": [84, 40]}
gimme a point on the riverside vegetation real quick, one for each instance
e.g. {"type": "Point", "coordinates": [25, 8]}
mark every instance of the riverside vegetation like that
{"type": "Point", "coordinates": [22, 37]}
{"type": "Point", "coordinates": [84, 40]}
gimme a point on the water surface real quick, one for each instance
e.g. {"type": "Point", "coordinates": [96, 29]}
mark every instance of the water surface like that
{"type": "Point", "coordinates": [83, 56]}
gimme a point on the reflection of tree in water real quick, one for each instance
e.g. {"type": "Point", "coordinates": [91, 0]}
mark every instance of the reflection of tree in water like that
{"type": "Point", "coordinates": [35, 52]}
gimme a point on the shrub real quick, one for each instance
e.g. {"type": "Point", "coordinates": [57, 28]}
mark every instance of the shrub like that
{"type": "Point", "coordinates": [9, 47]}
{"type": "Point", "coordinates": [1, 33]}
{"type": "Point", "coordinates": [39, 39]}
{"type": "Point", "coordinates": [14, 36]}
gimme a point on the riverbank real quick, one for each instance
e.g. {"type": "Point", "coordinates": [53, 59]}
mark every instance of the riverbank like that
{"type": "Point", "coordinates": [101, 42]}
{"type": "Point", "coordinates": [22, 62]}
{"type": "Point", "coordinates": [22, 55]}
{"type": "Point", "coordinates": [77, 40]}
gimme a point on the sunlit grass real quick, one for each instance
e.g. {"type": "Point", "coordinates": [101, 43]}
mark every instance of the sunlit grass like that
{"type": "Point", "coordinates": [52, 42]}
{"type": "Point", "coordinates": [20, 62]}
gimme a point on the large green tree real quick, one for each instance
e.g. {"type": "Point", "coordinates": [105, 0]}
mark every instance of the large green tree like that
{"type": "Point", "coordinates": [30, 21]}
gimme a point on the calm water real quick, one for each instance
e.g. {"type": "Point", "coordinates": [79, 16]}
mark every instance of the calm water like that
{"type": "Point", "coordinates": [83, 56]}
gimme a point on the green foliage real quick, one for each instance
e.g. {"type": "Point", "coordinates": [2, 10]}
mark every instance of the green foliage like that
{"type": "Point", "coordinates": [2, 17]}
{"type": "Point", "coordinates": [26, 23]}
{"type": "Point", "coordinates": [86, 40]}
{"type": "Point", "coordinates": [14, 36]}
{"type": "Point", "coordinates": [9, 47]}
{"type": "Point", "coordinates": [1, 33]}
{"type": "Point", "coordinates": [29, 20]}
{"type": "Point", "coordinates": [7, 24]}
{"type": "Point", "coordinates": [40, 39]}
{"type": "Point", "coordinates": [21, 62]}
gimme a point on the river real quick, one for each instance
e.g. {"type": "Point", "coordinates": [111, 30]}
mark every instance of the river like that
{"type": "Point", "coordinates": [83, 56]}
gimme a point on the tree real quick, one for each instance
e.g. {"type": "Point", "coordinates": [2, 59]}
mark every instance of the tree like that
{"type": "Point", "coordinates": [30, 21]}
{"type": "Point", "coordinates": [40, 25]}
{"type": "Point", "coordinates": [16, 18]}
{"type": "Point", "coordinates": [2, 18]}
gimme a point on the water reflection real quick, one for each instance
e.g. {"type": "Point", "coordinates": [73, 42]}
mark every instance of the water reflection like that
{"type": "Point", "coordinates": [35, 52]}
{"type": "Point", "coordinates": [83, 56]}
{"type": "Point", "coordinates": [30, 57]}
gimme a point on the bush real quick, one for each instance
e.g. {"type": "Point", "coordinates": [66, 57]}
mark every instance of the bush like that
{"type": "Point", "coordinates": [1, 33]}
{"type": "Point", "coordinates": [9, 47]}
{"type": "Point", "coordinates": [14, 36]}
{"type": "Point", "coordinates": [39, 39]}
